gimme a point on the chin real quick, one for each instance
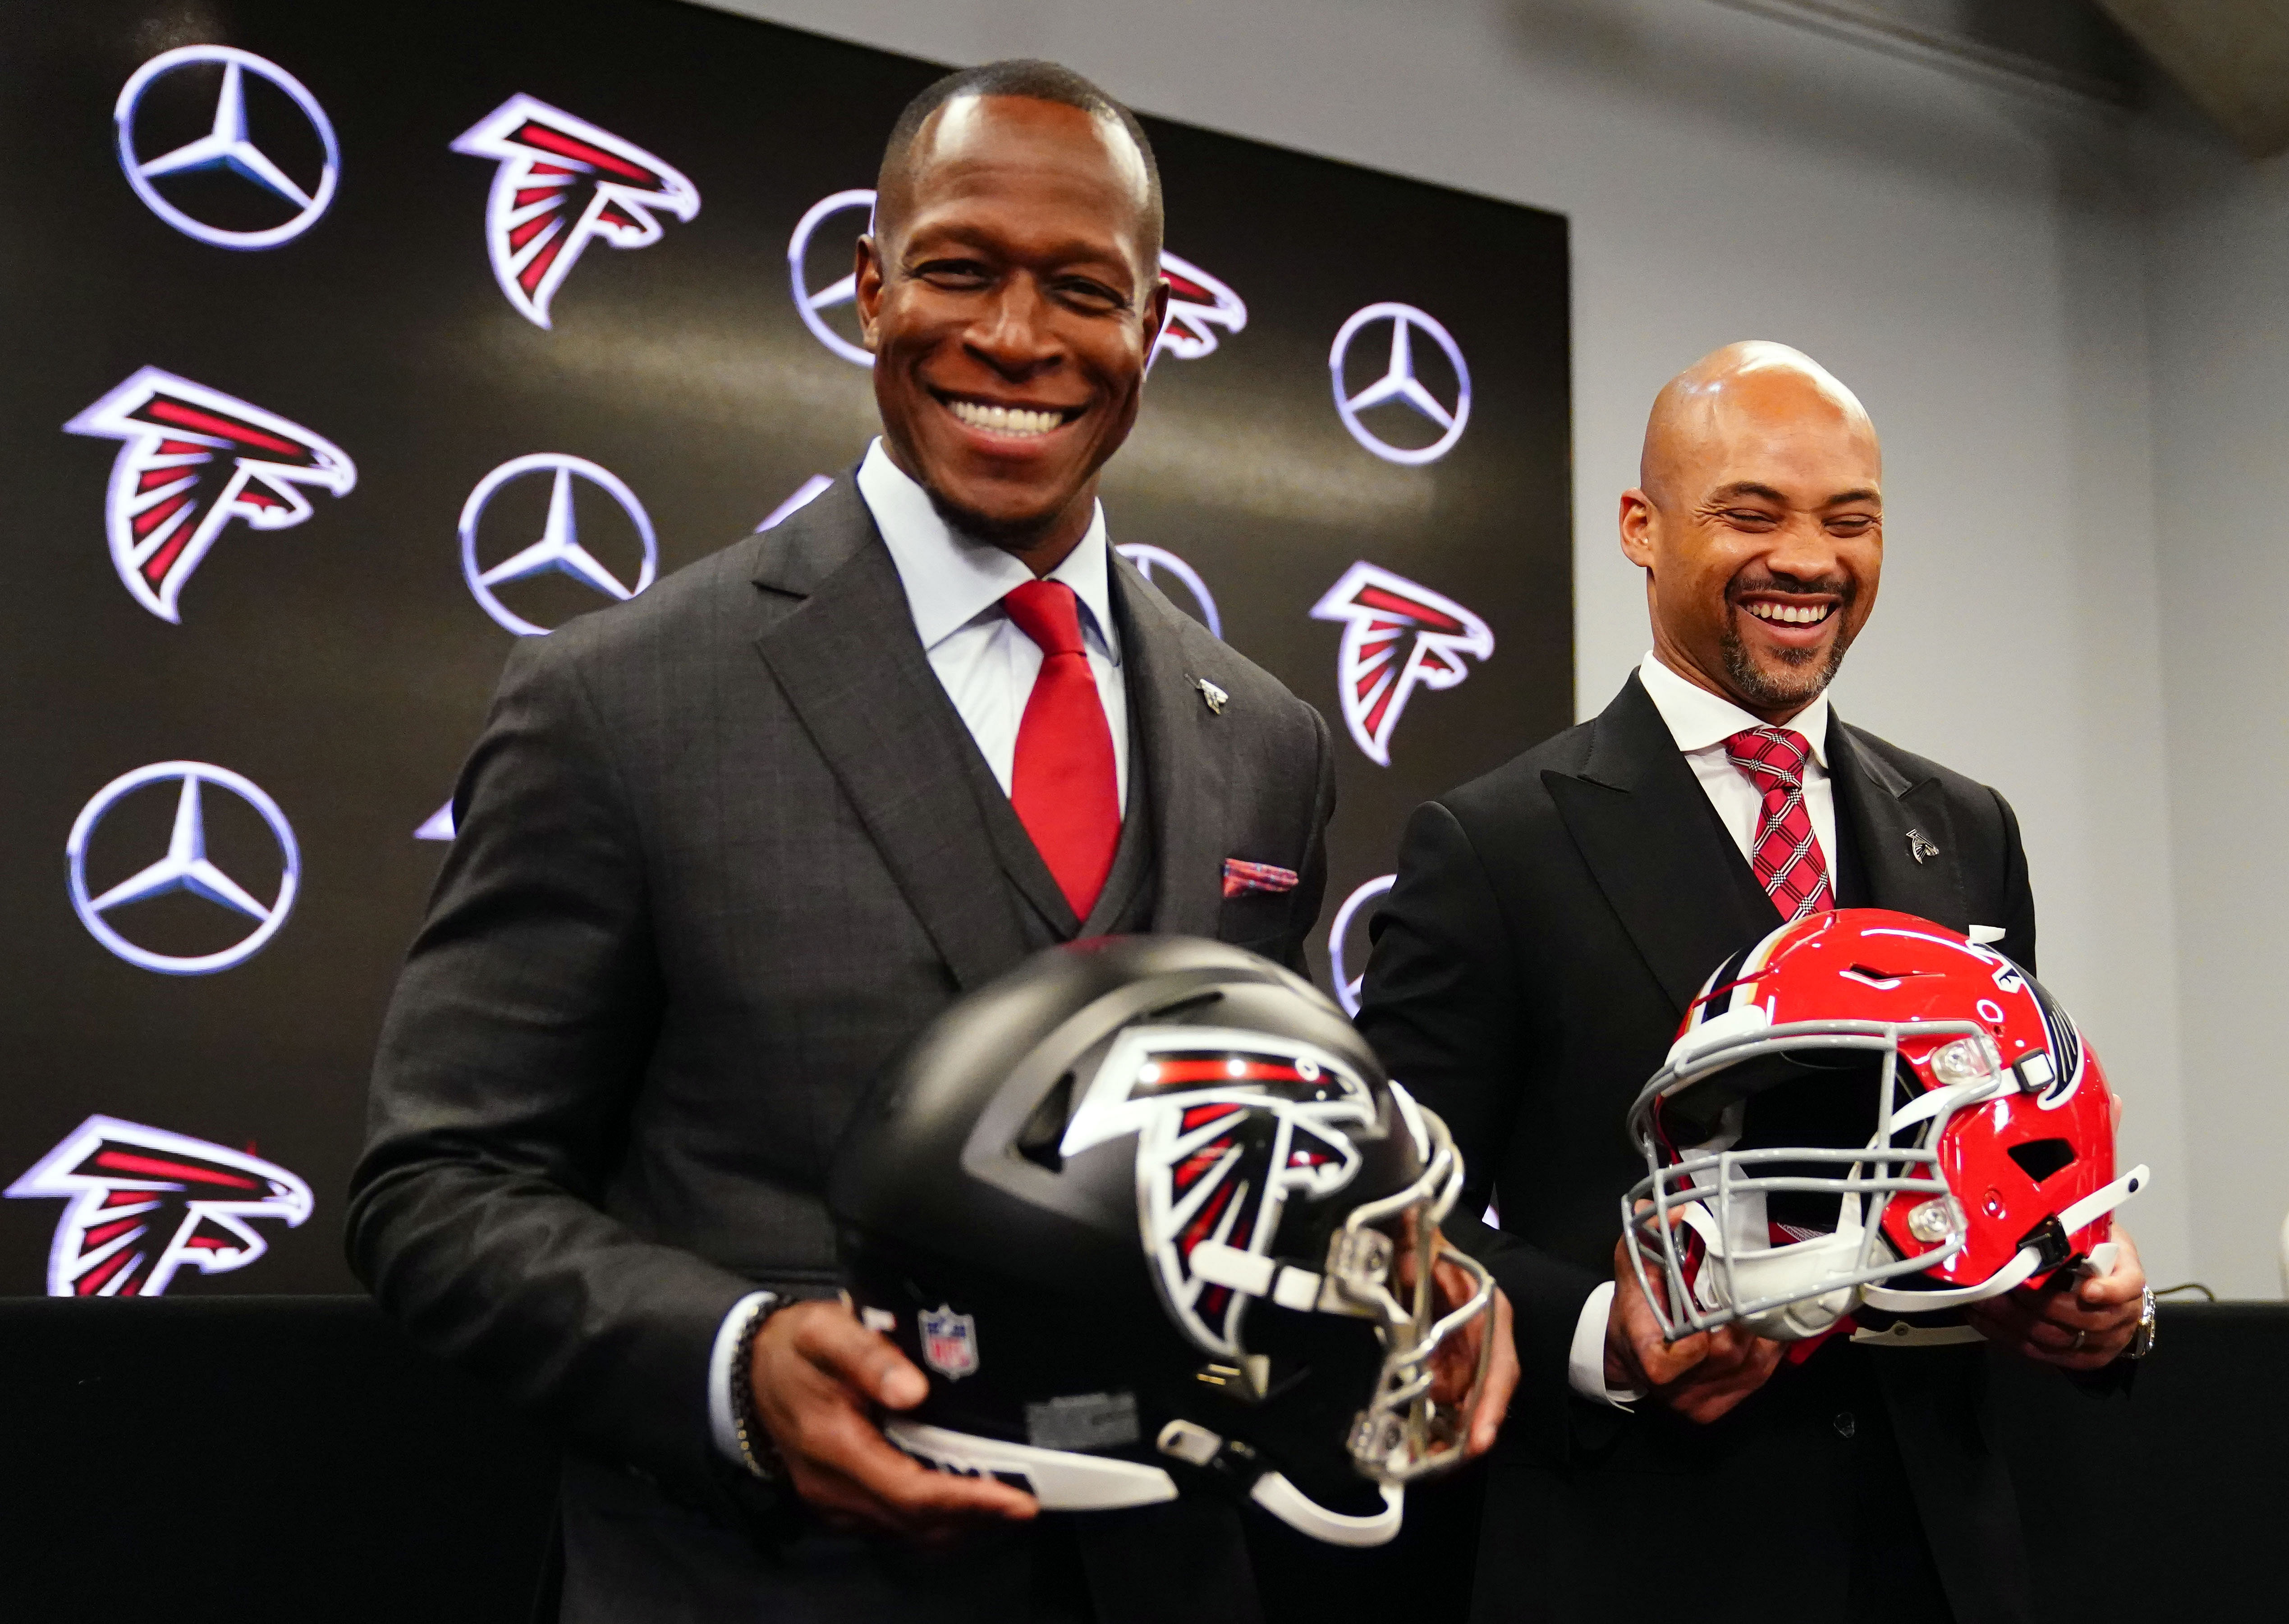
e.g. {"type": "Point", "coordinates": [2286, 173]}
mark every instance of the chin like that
{"type": "Point", "coordinates": [992, 514]}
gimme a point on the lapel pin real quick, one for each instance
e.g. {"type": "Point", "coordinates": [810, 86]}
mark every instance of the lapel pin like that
{"type": "Point", "coordinates": [1215, 696]}
{"type": "Point", "coordinates": [1919, 846]}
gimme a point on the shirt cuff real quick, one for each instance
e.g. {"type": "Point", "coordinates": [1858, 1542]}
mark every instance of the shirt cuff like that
{"type": "Point", "coordinates": [722, 1371]}
{"type": "Point", "coordinates": [1585, 1365]}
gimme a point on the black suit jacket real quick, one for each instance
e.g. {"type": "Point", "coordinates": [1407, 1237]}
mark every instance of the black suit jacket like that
{"type": "Point", "coordinates": [1550, 923]}
{"type": "Point", "coordinates": [720, 855]}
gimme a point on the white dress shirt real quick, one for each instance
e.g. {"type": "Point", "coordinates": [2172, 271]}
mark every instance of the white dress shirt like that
{"type": "Point", "coordinates": [1701, 721]}
{"type": "Point", "coordinates": [954, 586]}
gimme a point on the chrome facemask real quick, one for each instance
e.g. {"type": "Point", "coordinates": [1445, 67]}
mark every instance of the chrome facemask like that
{"type": "Point", "coordinates": [1405, 1433]}
{"type": "Point", "coordinates": [1712, 1191]}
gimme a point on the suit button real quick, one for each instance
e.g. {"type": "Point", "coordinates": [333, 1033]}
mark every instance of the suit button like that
{"type": "Point", "coordinates": [1846, 1425]}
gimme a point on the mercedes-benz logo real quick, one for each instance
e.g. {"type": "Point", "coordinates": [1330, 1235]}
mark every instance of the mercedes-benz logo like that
{"type": "Point", "coordinates": [810, 304]}
{"type": "Point", "coordinates": [1347, 985]}
{"type": "Point", "coordinates": [226, 148]}
{"type": "Point", "coordinates": [1151, 561]}
{"type": "Point", "coordinates": [185, 867]}
{"type": "Point", "coordinates": [1398, 383]}
{"type": "Point", "coordinates": [559, 549]}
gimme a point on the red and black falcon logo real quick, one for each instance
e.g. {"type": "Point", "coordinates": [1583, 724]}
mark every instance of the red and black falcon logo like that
{"type": "Point", "coordinates": [145, 1203]}
{"type": "Point", "coordinates": [191, 459]}
{"type": "Point", "coordinates": [1198, 305]}
{"type": "Point", "coordinates": [1397, 636]}
{"type": "Point", "coordinates": [562, 182]}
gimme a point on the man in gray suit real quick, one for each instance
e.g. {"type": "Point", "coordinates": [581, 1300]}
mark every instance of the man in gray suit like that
{"type": "Point", "coordinates": [724, 848]}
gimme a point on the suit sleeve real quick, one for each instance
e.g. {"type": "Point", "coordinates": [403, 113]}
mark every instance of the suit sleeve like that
{"type": "Point", "coordinates": [1441, 1004]}
{"type": "Point", "coordinates": [519, 1030]}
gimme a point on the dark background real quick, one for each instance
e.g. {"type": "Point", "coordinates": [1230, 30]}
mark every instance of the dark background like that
{"type": "Point", "coordinates": [344, 666]}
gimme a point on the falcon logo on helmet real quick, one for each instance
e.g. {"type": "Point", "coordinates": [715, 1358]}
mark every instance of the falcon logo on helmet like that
{"type": "Point", "coordinates": [562, 183]}
{"type": "Point", "coordinates": [1226, 1133]}
{"type": "Point", "coordinates": [1397, 636]}
{"type": "Point", "coordinates": [1841, 1122]}
{"type": "Point", "coordinates": [1198, 305]}
{"type": "Point", "coordinates": [191, 459]}
{"type": "Point", "coordinates": [145, 1203]}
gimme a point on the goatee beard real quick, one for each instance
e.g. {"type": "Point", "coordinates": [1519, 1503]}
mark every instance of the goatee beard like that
{"type": "Point", "coordinates": [1808, 676]}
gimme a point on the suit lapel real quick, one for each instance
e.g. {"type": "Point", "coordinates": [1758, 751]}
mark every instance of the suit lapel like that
{"type": "Point", "coordinates": [1187, 759]}
{"type": "Point", "coordinates": [1641, 822]}
{"type": "Point", "coordinates": [1893, 818]}
{"type": "Point", "coordinates": [850, 665]}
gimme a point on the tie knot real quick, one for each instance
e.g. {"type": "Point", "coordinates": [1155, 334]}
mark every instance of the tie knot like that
{"type": "Point", "coordinates": [1048, 612]}
{"type": "Point", "coordinates": [1779, 750]}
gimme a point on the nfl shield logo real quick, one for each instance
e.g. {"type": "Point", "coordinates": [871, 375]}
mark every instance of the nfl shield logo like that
{"type": "Point", "coordinates": [949, 1342]}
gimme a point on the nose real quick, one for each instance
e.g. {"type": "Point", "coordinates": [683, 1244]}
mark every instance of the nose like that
{"type": "Point", "coordinates": [1803, 549]}
{"type": "Point", "coordinates": [1013, 335]}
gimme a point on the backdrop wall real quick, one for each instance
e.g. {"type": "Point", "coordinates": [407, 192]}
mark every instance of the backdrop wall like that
{"type": "Point", "coordinates": [340, 363]}
{"type": "Point", "coordinates": [1970, 258]}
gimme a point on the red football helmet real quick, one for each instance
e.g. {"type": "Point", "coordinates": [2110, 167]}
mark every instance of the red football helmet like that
{"type": "Point", "coordinates": [1867, 1108]}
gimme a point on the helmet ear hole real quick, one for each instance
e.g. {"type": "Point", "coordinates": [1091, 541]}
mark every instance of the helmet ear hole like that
{"type": "Point", "coordinates": [1038, 1140]}
{"type": "Point", "coordinates": [2041, 1157]}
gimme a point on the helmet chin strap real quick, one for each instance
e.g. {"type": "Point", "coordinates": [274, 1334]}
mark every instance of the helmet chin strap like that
{"type": "Point", "coordinates": [1306, 1516]}
{"type": "Point", "coordinates": [1061, 1480]}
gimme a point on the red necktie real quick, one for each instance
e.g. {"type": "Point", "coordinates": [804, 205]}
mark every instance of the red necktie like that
{"type": "Point", "coordinates": [1062, 784]}
{"type": "Point", "coordinates": [1787, 855]}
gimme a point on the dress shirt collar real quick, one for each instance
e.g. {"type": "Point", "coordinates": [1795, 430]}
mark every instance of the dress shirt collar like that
{"type": "Point", "coordinates": [1698, 718]}
{"type": "Point", "coordinates": [951, 580]}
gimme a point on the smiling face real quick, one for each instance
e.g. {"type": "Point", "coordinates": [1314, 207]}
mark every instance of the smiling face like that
{"type": "Point", "coordinates": [1011, 296]}
{"type": "Point", "coordinates": [1760, 525]}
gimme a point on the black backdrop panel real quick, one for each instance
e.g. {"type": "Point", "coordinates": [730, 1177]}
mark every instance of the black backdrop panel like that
{"type": "Point", "coordinates": [339, 368]}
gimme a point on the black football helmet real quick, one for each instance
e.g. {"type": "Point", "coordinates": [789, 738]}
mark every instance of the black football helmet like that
{"type": "Point", "coordinates": [1137, 1209]}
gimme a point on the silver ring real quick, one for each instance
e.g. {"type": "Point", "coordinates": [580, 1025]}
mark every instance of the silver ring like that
{"type": "Point", "coordinates": [2077, 1346]}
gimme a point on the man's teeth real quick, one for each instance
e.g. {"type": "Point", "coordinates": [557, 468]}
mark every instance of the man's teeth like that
{"type": "Point", "coordinates": [1006, 420]}
{"type": "Point", "coordinates": [1791, 614]}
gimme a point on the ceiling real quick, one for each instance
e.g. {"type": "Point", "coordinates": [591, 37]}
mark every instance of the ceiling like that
{"type": "Point", "coordinates": [2230, 58]}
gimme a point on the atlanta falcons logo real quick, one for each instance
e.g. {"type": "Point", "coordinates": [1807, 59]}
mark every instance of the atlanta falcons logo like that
{"type": "Point", "coordinates": [1228, 1129]}
{"type": "Point", "coordinates": [1198, 305]}
{"type": "Point", "coordinates": [145, 1203]}
{"type": "Point", "coordinates": [1396, 636]}
{"type": "Point", "coordinates": [166, 504]}
{"type": "Point", "coordinates": [537, 219]}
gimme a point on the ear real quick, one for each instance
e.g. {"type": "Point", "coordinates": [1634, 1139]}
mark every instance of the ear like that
{"type": "Point", "coordinates": [1156, 312]}
{"type": "Point", "coordinates": [1640, 521]}
{"type": "Point", "coordinates": [868, 272]}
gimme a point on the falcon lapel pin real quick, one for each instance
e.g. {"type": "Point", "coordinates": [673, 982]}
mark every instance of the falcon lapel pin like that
{"type": "Point", "coordinates": [1919, 846]}
{"type": "Point", "coordinates": [1215, 696]}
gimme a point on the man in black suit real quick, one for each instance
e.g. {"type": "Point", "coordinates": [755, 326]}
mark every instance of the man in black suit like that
{"type": "Point", "coordinates": [1550, 923]}
{"type": "Point", "coordinates": [723, 849]}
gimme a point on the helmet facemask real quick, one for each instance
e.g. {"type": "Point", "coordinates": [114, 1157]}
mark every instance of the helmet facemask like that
{"type": "Point", "coordinates": [1773, 1154]}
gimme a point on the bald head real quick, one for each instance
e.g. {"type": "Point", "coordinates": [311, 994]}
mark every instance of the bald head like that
{"type": "Point", "coordinates": [1758, 521]}
{"type": "Point", "coordinates": [1745, 389]}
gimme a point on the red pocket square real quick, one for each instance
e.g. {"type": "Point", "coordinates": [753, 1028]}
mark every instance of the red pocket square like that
{"type": "Point", "coordinates": [1239, 878]}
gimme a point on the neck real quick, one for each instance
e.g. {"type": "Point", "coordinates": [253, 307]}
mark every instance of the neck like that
{"type": "Point", "coordinates": [1681, 664]}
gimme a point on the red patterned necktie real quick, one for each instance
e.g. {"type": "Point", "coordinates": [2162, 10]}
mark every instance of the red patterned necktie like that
{"type": "Point", "coordinates": [1787, 858]}
{"type": "Point", "coordinates": [1062, 783]}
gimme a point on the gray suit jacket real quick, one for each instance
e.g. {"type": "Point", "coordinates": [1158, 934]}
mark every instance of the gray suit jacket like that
{"type": "Point", "coordinates": [720, 856]}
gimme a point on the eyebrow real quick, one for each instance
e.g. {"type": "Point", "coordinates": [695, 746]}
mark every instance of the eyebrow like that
{"type": "Point", "coordinates": [1750, 488]}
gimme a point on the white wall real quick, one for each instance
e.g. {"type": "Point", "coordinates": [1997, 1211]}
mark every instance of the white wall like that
{"type": "Point", "coordinates": [1954, 251]}
{"type": "Point", "coordinates": [2220, 301]}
